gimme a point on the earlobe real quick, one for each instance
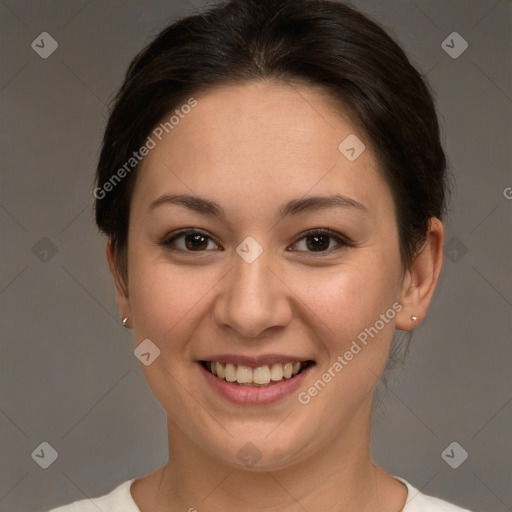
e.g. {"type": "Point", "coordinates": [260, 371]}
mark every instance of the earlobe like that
{"type": "Point", "coordinates": [421, 278]}
{"type": "Point", "coordinates": [121, 293]}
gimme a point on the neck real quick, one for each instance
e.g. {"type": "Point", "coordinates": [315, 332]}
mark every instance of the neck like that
{"type": "Point", "coordinates": [339, 476]}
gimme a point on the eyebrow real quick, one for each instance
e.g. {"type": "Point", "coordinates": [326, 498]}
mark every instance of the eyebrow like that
{"type": "Point", "coordinates": [294, 207]}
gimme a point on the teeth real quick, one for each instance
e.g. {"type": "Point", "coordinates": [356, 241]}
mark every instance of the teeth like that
{"type": "Point", "coordinates": [230, 372]}
{"type": "Point", "coordinates": [276, 372]}
{"type": "Point", "coordinates": [243, 374]}
{"type": "Point", "coordinates": [262, 375]}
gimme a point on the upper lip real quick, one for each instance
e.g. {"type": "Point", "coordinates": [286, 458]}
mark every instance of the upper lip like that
{"type": "Point", "coordinates": [255, 361]}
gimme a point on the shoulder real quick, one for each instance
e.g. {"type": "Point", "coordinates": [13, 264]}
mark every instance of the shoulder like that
{"type": "Point", "coordinates": [118, 499]}
{"type": "Point", "coordinates": [419, 502]}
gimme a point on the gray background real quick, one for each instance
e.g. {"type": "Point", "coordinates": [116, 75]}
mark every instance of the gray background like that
{"type": "Point", "coordinates": [68, 375]}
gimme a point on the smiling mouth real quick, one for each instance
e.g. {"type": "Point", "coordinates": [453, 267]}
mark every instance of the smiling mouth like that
{"type": "Point", "coordinates": [262, 376]}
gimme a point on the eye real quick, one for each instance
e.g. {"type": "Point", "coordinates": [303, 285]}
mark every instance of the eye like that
{"type": "Point", "coordinates": [319, 240]}
{"type": "Point", "coordinates": [192, 241]}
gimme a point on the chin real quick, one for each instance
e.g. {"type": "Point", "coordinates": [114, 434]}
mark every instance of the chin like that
{"type": "Point", "coordinates": [264, 452]}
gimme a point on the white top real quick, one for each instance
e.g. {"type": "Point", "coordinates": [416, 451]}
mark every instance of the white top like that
{"type": "Point", "coordinates": [120, 500]}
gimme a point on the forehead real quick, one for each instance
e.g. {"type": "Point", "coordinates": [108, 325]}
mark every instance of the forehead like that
{"type": "Point", "coordinates": [257, 138]}
{"type": "Point", "coordinates": [270, 122]}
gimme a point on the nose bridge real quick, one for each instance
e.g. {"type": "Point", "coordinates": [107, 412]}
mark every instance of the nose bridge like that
{"type": "Point", "coordinates": [251, 300]}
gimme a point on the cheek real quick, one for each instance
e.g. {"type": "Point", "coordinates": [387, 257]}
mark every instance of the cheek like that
{"type": "Point", "coordinates": [353, 315]}
{"type": "Point", "coordinates": [168, 305]}
{"type": "Point", "coordinates": [347, 304]}
{"type": "Point", "coordinates": [168, 300]}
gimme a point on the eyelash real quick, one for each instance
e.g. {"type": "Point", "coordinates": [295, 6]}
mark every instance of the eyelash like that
{"type": "Point", "coordinates": [341, 241]}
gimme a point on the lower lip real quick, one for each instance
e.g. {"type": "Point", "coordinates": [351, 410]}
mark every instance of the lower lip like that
{"type": "Point", "coordinates": [245, 395]}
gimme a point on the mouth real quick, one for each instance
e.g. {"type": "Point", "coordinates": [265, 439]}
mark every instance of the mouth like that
{"type": "Point", "coordinates": [263, 376]}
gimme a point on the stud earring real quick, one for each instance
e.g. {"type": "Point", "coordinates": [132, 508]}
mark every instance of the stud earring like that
{"type": "Point", "coordinates": [125, 320]}
{"type": "Point", "coordinates": [414, 318]}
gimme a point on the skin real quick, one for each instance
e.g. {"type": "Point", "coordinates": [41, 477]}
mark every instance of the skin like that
{"type": "Point", "coordinates": [251, 148]}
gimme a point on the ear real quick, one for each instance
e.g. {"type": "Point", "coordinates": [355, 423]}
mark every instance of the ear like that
{"type": "Point", "coordinates": [121, 288]}
{"type": "Point", "coordinates": [421, 278]}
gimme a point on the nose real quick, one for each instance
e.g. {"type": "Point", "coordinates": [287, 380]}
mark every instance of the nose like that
{"type": "Point", "coordinates": [252, 299]}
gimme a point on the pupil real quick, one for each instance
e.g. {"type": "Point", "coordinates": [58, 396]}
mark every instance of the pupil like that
{"type": "Point", "coordinates": [320, 242]}
{"type": "Point", "coordinates": [191, 242]}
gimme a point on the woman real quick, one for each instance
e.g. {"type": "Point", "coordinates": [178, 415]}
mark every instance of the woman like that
{"type": "Point", "coordinates": [272, 185]}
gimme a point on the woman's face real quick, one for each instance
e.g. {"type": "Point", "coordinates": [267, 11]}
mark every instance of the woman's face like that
{"type": "Point", "coordinates": [252, 284]}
